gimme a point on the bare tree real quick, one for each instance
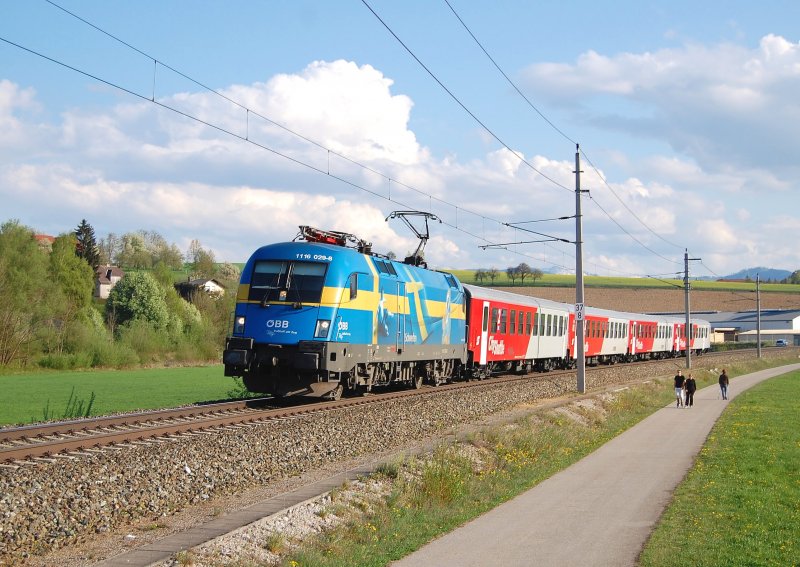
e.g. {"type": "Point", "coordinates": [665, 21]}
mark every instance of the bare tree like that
{"type": "Point", "coordinates": [523, 271]}
{"type": "Point", "coordinates": [512, 274]}
{"type": "Point", "coordinates": [492, 273]}
{"type": "Point", "coordinates": [536, 275]}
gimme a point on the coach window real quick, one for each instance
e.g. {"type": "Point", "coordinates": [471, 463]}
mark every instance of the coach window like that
{"type": "Point", "coordinates": [503, 321]}
{"type": "Point", "coordinates": [495, 320]}
{"type": "Point", "coordinates": [561, 321]}
{"type": "Point", "coordinates": [513, 325]}
{"type": "Point", "coordinates": [528, 323]}
{"type": "Point", "coordinates": [485, 318]}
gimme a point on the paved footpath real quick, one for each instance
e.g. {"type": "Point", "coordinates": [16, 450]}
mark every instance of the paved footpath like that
{"type": "Point", "coordinates": [599, 511]}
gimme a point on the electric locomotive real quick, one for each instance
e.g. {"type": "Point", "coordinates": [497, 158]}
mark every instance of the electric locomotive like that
{"type": "Point", "coordinates": [322, 314]}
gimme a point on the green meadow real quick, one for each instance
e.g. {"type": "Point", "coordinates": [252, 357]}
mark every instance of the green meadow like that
{"type": "Point", "coordinates": [740, 503]}
{"type": "Point", "coordinates": [29, 398]}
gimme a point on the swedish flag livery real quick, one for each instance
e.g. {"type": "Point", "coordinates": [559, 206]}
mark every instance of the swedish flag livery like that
{"type": "Point", "coordinates": [317, 317]}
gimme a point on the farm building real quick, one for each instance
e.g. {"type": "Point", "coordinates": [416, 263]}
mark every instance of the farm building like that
{"type": "Point", "coordinates": [210, 286]}
{"type": "Point", "coordinates": [106, 277]}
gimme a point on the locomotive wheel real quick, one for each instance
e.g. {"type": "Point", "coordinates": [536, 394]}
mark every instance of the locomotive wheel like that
{"type": "Point", "coordinates": [335, 394]}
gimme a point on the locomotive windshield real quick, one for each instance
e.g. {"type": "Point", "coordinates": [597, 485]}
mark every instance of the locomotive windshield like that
{"type": "Point", "coordinates": [276, 280]}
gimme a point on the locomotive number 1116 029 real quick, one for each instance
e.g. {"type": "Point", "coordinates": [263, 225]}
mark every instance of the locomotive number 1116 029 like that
{"type": "Point", "coordinates": [314, 257]}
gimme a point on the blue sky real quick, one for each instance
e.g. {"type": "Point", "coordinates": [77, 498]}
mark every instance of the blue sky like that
{"type": "Point", "coordinates": [687, 110]}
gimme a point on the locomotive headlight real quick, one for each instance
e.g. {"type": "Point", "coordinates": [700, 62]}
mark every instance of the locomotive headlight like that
{"type": "Point", "coordinates": [238, 325]}
{"type": "Point", "coordinates": [323, 326]}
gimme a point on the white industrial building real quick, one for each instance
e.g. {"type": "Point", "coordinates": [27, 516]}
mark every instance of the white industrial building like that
{"type": "Point", "coordinates": [742, 326]}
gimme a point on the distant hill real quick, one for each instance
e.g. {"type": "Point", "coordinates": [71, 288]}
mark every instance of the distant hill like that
{"type": "Point", "coordinates": [764, 273]}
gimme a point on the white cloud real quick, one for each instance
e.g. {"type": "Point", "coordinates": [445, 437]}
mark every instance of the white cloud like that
{"type": "Point", "coordinates": [722, 105]}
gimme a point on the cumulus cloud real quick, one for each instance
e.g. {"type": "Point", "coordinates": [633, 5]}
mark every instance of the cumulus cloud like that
{"type": "Point", "coordinates": [722, 104]}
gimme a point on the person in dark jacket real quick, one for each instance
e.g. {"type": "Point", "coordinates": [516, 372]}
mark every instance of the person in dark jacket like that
{"type": "Point", "coordinates": [690, 387]}
{"type": "Point", "coordinates": [679, 382]}
{"type": "Point", "coordinates": [723, 384]}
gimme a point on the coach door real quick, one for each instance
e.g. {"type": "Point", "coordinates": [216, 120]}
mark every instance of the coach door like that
{"type": "Point", "coordinates": [484, 332]}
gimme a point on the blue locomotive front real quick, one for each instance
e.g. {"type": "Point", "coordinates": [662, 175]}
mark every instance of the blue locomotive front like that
{"type": "Point", "coordinates": [318, 318]}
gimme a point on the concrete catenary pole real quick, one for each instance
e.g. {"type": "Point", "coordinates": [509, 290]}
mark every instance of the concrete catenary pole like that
{"type": "Point", "coordinates": [688, 310]}
{"type": "Point", "coordinates": [758, 316]}
{"type": "Point", "coordinates": [579, 302]}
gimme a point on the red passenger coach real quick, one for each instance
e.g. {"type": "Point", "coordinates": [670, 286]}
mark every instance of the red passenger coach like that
{"type": "Point", "coordinates": [508, 332]}
{"type": "Point", "coordinates": [511, 332]}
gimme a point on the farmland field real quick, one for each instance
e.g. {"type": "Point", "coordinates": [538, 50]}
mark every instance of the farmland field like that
{"type": "Point", "coordinates": [664, 300]}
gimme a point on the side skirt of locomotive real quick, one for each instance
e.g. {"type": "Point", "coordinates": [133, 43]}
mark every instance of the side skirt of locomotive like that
{"type": "Point", "coordinates": [329, 369]}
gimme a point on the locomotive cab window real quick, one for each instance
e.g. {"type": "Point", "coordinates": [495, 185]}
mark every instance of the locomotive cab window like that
{"type": "Point", "coordinates": [275, 280]}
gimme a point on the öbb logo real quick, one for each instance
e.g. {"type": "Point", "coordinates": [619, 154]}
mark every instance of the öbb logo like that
{"type": "Point", "coordinates": [277, 324]}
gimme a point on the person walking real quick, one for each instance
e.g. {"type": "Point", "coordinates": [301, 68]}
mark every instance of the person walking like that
{"type": "Point", "coordinates": [723, 384]}
{"type": "Point", "coordinates": [691, 387]}
{"type": "Point", "coordinates": [680, 380]}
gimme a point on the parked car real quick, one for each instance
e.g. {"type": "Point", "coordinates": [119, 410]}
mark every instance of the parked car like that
{"type": "Point", "coordinates": [781, 342]}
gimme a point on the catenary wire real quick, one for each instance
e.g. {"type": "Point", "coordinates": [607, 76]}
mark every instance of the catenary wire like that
{"type": "Point", "coordinates": [557, 129]}
{"type": "Point", "coordinates": [264, 147]}
{"type": "Point", "coordinates": [301, 136]}
{"type": "Point", "coordinates": [458, 101]}
{"type": "Point", "coordinates": [305, 138]}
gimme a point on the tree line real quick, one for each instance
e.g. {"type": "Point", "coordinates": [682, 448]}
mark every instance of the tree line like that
{"type": "Point", "coordinates": [50, 317]}
{"type": "Point", "coordinates": [513, 273]}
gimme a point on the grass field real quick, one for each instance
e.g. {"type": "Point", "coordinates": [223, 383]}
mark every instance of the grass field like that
{"type": "Point", "coordinates": [29, 398]}
{"type": "Point", "coordinates": [739, 503]}
{"type": "Point", "coordinates": [558, 280]}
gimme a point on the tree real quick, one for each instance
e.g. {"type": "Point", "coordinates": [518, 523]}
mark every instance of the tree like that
{"type": "Point", "coordinates": [109, 248]}
{"type": "Point", "coordinates": [480, 275]}
{"type": "Point", "coordinates": [170, 255]}
{"type": "Point", "coordinates": [523, 271]}
{"type": "Point", "coordinates": [536, 275]}
{"type": "Point", "coordinates": [70, 296]}
{"type": "Point", "coordinates": [229, 272]}
{"type": "Point", "coordinates": [24, 293]}
{"type": "Point", "coordinates": [194, 251]}
{"type": "Point", "coordinates": [512, 274]}
{"type": "Point", "coordinates": [133, 252]}
{"type": "Point", "coordinates": [492, 273]}
{"type": "Point", "coordinates": [794, 278]}
{"type": "Point", "coordinates": [73, 275]}
{"type": "Point", "coordinates": [206, 266]}
{"type": "Point", "coordinates": [86, 245]}
{"type": "Point", "coordinates": [138, 296]}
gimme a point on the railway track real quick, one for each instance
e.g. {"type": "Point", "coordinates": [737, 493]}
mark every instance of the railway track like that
{"type": "Point", "coordinates": [28, 444]}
